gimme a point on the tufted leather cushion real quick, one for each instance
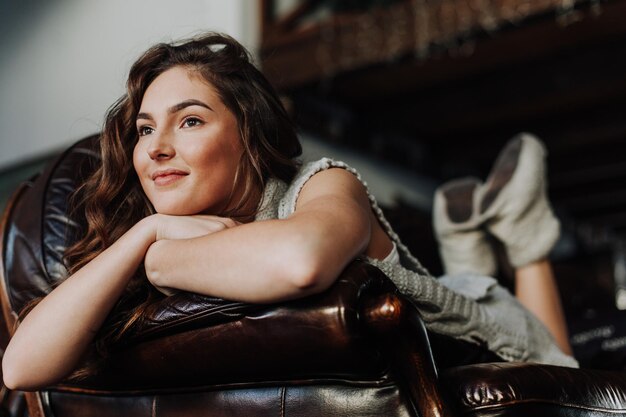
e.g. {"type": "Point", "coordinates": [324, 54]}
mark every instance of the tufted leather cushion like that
{"type": "Point", "coordinates": [39, 227]}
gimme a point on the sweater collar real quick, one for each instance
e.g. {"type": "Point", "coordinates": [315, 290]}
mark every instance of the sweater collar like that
{"type": "Point", "coordinates": [268, 207]}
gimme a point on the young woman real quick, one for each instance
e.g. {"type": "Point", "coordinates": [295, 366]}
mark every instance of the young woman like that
{"type": "Point", "coordinates": [200, 190]}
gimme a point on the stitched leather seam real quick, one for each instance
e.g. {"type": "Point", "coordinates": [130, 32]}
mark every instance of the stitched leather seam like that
{"type": "Point", "coordinates": [375, 382]}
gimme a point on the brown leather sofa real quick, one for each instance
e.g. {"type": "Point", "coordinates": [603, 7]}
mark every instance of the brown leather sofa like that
{"type": "Point", "coordinates": [358, 349]}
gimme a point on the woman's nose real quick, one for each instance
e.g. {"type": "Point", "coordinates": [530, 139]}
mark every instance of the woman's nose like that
{"type": "Point", "coordinates": [160, 147]}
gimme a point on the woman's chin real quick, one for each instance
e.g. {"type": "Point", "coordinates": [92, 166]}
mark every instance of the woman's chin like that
{"type": "Point", "coordinates": [189, 208]}
{"type": "Point", "coordinates": [175, 211]}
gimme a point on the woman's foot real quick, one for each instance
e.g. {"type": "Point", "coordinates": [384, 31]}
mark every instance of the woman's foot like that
{"type": "Point", "coordinates": [513, 202]}
{"type": "Point", "coordinates": [511, 205]}
{"type": "Point", "coordinates": [463, 244]}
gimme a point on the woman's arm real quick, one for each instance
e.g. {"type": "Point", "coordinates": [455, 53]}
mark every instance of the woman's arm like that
{"type": "Point", "coordinates": [262, 262]}
{"type": "Point", "coordinates": [54, 335]}
{"type": "Point", "coordinates": [277, 259]}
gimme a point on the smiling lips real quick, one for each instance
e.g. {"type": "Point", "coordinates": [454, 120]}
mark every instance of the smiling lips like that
{"type": "Point", "coordinates": [167, 176]}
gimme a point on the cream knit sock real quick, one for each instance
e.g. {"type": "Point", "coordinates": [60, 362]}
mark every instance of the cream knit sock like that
{"type": "Point", "coordinates": [463, 244]}
{"type": "Point", "coordinates": [514, 204]}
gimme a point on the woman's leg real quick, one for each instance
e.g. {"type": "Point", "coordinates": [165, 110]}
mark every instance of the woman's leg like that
{"type": "Point", "coordinates": [512, 206]}
{"type": "Point", "coordinates": [521, 217]}
{"type": "Point", "coordinates": [536, 289]}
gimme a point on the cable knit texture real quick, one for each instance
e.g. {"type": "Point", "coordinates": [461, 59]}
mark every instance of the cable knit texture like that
{"type": "Point", "coordinates": [470, 307]}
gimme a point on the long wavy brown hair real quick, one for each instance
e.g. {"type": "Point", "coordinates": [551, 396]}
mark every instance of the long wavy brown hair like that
{"type": "Point", "coordinates": [112, 200]}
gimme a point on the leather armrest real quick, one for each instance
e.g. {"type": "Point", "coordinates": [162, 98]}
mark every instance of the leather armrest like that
{"type": "Point", "coordinates": [192, 341]}
{"type": "Point", "coordinates": [187, 311]}
{"type": "Point", "coordinates": [526, 389]}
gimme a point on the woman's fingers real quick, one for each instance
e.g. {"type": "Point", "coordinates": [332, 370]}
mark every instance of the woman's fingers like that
{"type": "Point", "coordinates": [227, 222]}
{"type": "Point", "coordinates": [188, 227]}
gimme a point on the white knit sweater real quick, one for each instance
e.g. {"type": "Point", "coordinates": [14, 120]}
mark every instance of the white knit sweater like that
{"type": "Point", "coordinates": [470, 307]}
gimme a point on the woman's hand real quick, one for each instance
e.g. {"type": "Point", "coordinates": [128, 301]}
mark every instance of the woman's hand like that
{"type": "Point", "coordinates": [179, 227]}
{"type": "Point", "coordinates": [188, 227]}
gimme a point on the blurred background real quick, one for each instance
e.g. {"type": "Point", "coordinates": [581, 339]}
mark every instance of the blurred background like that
{"type": "Point", "coordinates": [410, 92]}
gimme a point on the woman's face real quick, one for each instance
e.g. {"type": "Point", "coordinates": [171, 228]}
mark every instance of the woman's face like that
{"type": "Point", "coordinates": [189, 145]}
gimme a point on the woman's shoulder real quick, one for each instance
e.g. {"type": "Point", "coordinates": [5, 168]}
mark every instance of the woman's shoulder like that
{"type": "Point", "coordinates": [305, 173]}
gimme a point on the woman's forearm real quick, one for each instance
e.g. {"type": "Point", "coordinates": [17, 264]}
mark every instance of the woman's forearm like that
{"type": "Point", "coordinates": [228, 265]}
{"type": "Point", "coordinates": [54, 335]}
{"type": "Point", "coordinates": [262, 261]}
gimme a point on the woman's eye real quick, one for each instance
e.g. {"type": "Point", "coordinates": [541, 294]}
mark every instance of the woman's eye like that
{"type": "Point", "coordinates": [144, 130]}
{"type": "Point", "coordinates": [192, 122]}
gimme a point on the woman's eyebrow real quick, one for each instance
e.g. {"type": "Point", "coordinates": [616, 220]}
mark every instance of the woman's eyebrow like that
{"type": "Point", "coordinates": [145, 116]}
{"type": "Point", "coordinates": [176, 108]}
{"type": "Point", "coordinates": [186, 103]}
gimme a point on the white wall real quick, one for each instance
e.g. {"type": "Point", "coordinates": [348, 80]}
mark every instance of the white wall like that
{"type": "Point", "coordinates": [64, 62]}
